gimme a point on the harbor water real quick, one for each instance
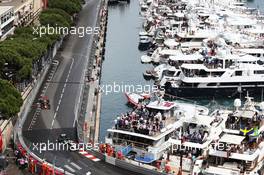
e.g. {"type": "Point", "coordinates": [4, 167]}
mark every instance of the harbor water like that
{"type": "Point", "coordinates": [122, 64]}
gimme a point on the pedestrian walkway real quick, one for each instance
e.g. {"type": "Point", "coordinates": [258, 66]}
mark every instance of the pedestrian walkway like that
{"type": "Point", "coordinates": [12, 168]}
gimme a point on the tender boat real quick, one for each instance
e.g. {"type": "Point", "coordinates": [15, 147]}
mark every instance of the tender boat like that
{"type": "Point", "coordinates": [136, 99]}
{"type": "Point", "coordinates": [145, 59]}
{"type": "Point", "coordinates": [144, 43]}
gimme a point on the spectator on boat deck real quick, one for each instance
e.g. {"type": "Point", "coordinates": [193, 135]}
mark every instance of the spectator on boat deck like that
{"type": "Point", "coordinates": [205, 136]}
{"type": "Point", "coordinates": [126, 123]}
{"type": "Point", "coordinates": [115, 123]}
{"type": "Point", "coordinates": [161, 125]}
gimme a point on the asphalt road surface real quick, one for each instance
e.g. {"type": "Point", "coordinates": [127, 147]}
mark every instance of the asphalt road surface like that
{"type": "Point", "coordinates": [64, 93]}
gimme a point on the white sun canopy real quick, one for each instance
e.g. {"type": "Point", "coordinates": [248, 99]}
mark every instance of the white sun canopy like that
{"type": "Point", "coordinates": [232, 139]}
{"type": "Point", "coordinates": [171, 43]}
{"type": "Point", "coordinates": [170, 52]}
{"type": "Point", "coordinates": [192, 57]}
{"type": "Point", "coordinates": [199, 120]}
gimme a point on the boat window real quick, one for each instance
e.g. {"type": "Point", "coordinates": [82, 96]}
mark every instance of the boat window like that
{"type": "Point", "coordinates": [259, 72]}
{"type": "Point", "coordinates": [169, 73]}
{"type": "Point", "coordinates": [178, 74]}
{"type": "Point", "coordinates": [229, 84]}
{"type": "Point", "coordinates": [211, 84]}
{"type": "Point", "coordinates": [168, 136]}
{"type": "Point", "coordinates": [238, 73]}
{"type": "Point", "coordinates": [110, 135]}
{"type": "Point", "coordinates": [217, 74]}
{"type": "Point", "coordinates": [189, 84]}
{"type": "Point", "coordinates": [253, 83]}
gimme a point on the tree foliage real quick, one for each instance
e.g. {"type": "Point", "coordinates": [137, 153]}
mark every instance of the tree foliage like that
{"type": "Point", "coordinates": [26, 47]}
{"type": "Point", "coordinates": [54, 20]}
{"type": "Point", "coordinates": [61, 12]}
{"type": "Point", "coordinates": [10, 99]}
{"type": "Point", "coordinates": [21, 50]}
{"type": "Point", "coordinates": [69, 6]}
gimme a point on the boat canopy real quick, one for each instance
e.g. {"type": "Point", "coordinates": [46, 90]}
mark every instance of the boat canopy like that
{"type": "Point", "coordinates": [252, 51]}
{"type": "Point", "coordinates": [170, 52]}
{"type": "Point", "coordinates": [221, 171]}
{"type": "Point", "coordinates": [183, 57]}
{"type": "Point", "coordinates": [244, 58]}
{"type": "Point", "coordinates": [171, 43]}
{"type": "Point", "coordinates": [179, 14]}
{"type": "Point", "coordinates": [191, 44]}
{"type": "Point", "coordinates": [194, 66]}
{"type": "Point", "coordinates": [256, 31]}
{"type": "Point", "coordinates": [240, 21]}
{"type": "Point", "coordinates": [232, 139]}
{"type": "Point", "coordinates": [162, 105]}
{"type": "Point", "coordinates": [198, 34]}
{"type": "Point", "coordinates": [248, 58]}
{"type": "Point", "coordinates": [245, 114]}
{"type": "Point", "coordinates": [199, 120]}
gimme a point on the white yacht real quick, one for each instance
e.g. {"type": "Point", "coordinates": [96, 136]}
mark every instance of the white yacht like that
{"type": "Point", "coordinates": [145, 132]}
{"type": "Point", "coordinates": [218, 77]}
{"type": "Point", "coordinates": [193, 139]}
{"type": "Point", "coordinates": [240, 147]}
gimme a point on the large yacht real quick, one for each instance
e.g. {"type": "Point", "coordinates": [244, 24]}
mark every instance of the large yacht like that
{"type": "Point", "coordinates": [229, 76]}
{"type": "Point", "coordinates": [145, 131]}
{"type": "Point", "coordinates": [193, 139]}
{"type": "Point", "coordinates": [240, 148]}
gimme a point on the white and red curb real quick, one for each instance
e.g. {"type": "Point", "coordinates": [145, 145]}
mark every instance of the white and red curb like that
{"type": "Point", "coordinates": [89, 156]}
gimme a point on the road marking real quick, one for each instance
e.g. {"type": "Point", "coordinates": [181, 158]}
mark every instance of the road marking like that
{"type": "Point", "coordinates": [69, 168]}
{"type": "Point", "coordinates": [43, 92]}
{"type": "Point", "coordinates": [52, 122]}
{"type": "Point", "coordinates": [76, 166]}
{"type": "Point", "coordinates": [61, 96]}
{"type": "Point", "coordinates": [33, 120]}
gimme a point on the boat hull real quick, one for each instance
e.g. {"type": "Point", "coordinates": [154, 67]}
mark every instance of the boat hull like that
{"type": "Point", "coordinates": [143, 46]}
{"type": "Point", "coordinates": [188, 92]}
{"type": "Point", "coordinates": [113, 2]}
{"type": "Point", "coordinates": [130, 100]}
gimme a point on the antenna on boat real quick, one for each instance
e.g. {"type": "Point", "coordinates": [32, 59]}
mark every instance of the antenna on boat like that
{"type": "Point", "coordinates": [261, 94]}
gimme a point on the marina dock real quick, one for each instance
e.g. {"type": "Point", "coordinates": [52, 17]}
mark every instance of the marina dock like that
{"type": "Point", "coordinates": [154, 35]}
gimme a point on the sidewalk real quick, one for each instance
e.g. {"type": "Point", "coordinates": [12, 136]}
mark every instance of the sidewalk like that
{"type": "Point", "coordinates": [12, 168]}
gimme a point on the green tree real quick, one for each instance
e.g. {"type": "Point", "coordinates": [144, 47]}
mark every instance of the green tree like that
{"type": "Point", "coordinates": [69, 6]}
{"type": "Point", "coordinates": [61, 12]}
{"type": "Point", "coordinates": [10, 99]}
{"type": "Point", "coordinates": [53, 19]}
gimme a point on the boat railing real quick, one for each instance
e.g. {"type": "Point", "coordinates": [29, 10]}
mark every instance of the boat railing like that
{"type": "Point", "coordinates": [135, 144]}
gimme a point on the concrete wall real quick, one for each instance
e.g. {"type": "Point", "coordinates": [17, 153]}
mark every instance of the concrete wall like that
{"type": "Point", "coordinates": [6, 127]}
{"type": "Point", "coordinates": [38, 5]}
